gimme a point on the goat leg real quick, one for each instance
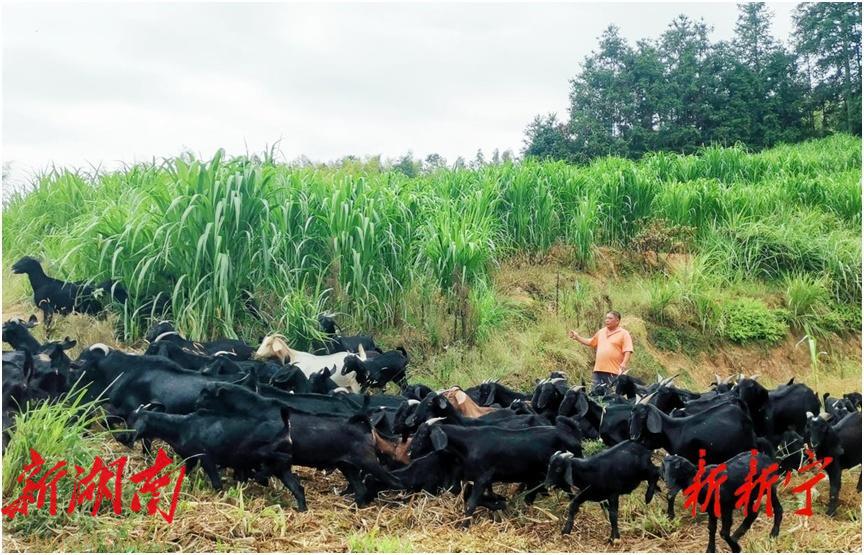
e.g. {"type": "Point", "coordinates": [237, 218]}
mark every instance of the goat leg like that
{"type": "Point", "coordinates": [572, 510]}
{"type": "Point", "coordinates": [725, 527]}
{"type": "Point", "coordinates": [712, 533]}
{"type": "Point", "coordinates": [289, 479]}
{"type": "Point", "coordinates": [613, 518]}
{"type": "Point", "coordinates": [47, 317]}
{"type": "Point", "coordinates": [834, 471]}
{"type": "Point", "coordinates": [353, 476]}
{"type": "Point", "coordinates": [480, 485]}
{"type": "Point", "coordinates": [670, 504]}
{"type": "Point", "coordinates": [744, 526]}
{"type": "Point", "coordinates": [212, 472]}
{"type": "Point", "coordinates": [778, 512]}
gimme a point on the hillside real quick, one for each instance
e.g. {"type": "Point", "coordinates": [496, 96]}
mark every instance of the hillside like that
{"type": "Point", "coordinates": [725, 262]}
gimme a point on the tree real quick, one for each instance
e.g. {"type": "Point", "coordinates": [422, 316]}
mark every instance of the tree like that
{"type": "Point", "coordinates": [601, 100]}
{"type": "Point", "coordinates": [685, 111]}
{"type": "Point", "coordinates": [434, 162]}
{"type": "Point", "coordinates": [753, 41]}
{"type": "Point", "coordinates": [459, 164]}
{"type": "Point", "coordinates": [763, 81]}
{"type": "Point", "coordinates": [406, 165]}
{"type": "Point", "coordinates": [830, 35]}
{"type": "Point", "coordinates": [545, 137]}
{"type": "Point", "coordinates": [479, 159]}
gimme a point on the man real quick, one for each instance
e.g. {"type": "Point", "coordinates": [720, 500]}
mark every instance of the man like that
{"type": "Point", "coordinates": [614, 347]}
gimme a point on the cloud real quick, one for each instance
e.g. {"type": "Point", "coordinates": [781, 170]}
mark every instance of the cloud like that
{"type": "Point", "coordinates": [104, 83]}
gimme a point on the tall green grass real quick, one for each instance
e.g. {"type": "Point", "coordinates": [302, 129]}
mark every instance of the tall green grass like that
{"type": "Point", "coordinates": [222, 235]}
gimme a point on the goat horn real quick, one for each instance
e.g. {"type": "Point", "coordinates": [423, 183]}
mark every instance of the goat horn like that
{"type": "Point", "coordinates": [717, 379]}
{"type": "Point", "coordinates": [100, 347]}
{"type": "Point", "coordinates": [412, 402]}
{"type": "Point", "coordinates": [809, 415]}
{"type": "Point", "coordinates": [436, 419]}
{"type": "Point", "coordinates": [754, 376]}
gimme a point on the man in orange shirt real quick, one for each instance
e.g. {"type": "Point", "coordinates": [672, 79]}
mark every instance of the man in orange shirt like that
{"type": "Point", "coordinates": [613, 345]}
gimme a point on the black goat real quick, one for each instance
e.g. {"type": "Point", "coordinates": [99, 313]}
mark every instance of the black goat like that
{"type": "Point", "coordinates": [603, 477]}
{"type": "Point", "coordinates": [841, 442]}
{"type": "Point", "coordinates": [338, 343]}
{"type": "Point", "coordinates": [317, 441]}
{"type": "Point", "coordinates": [379, 371]}
{"type": "Point", "coordinates": [611, 422]}
{"type": "Point", "coordinates": [416, 391]}
{"type": "Point", "coordinates": [52, 295]}
{"type": "Point", "coordinates": [320, 382]}
{"type": "Point", "coordinates": [493, 393]}
{"type": "Point", "coordinates": [838, 408]}
{"type": "Point", "coordinates": [494, 454]}
{"type": "Point", "coordinates": [17, 333]}
{"type": "Point", "coordinates": [679, 473]}
{"type": "Point", "coordinates": [239, 441]}
{"type": "Point", "coordinates": [722, 431]}
{"type": "Point", "coordinates": [547, 397]}
{"type": "Point", "coordinates": [165, 331]}
{"type": "Point", "coordinates": [437, 406]}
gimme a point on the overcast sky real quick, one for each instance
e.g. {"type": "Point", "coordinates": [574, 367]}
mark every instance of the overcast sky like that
{"type": "Point", "coordinates": [91, 84]}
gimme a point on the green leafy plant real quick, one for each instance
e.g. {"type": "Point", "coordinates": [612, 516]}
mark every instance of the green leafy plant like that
{"type": "Point", "coordinates": [744, 320]}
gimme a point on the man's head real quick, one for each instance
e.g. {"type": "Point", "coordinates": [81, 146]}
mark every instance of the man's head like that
{"type": "Point", "coordinates": [613, 318]}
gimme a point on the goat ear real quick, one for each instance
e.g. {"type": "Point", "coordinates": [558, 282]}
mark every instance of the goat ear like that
{"type": "Point", "coordinates": [156, 406]}
{"type": "Point", "coordinates": [68, 343]}
{"type": "Point", "coordinates": [568, 473]}
{"type": "Point", "coordinates": [490, 397]}
{"type": "Point", "coordinates": [581, 405]}
{"type": "Point", "coordinates": [790, 381]}
{"type": "Point", "coordinates": [439, 438]}
{"type": "Point", "coordinates": [280, 349]}
{"type": "Point", "coordinates": [31, 322]}
{"type": "Point", "coordinates": [655, 422]}
{"type": "Point", "coordinates": [442, 402]}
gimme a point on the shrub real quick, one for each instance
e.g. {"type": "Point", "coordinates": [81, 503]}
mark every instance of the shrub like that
{"type": "Point", "coordinates": [745, 320]}
{"type": "Point", "coordinates": [663, 296]}
{"type": "Point", "coordinates": [808, 300]}
{"type": "Point", "coordinates": [659, 235]}
{"type": "Point", "coordinates": [665, 339]}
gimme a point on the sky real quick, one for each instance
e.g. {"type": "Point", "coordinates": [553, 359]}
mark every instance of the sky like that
{"type": "Point", "coordinates": [90, 85]}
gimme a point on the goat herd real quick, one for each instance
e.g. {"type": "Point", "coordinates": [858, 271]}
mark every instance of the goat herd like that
{"type": "Point", "coordinates": [259, 412]}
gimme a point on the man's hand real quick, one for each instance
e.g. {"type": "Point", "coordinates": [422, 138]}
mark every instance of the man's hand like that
{"type": "Point", "coordinates": [576, 337]}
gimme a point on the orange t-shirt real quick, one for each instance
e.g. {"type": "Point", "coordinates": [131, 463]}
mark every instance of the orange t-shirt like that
{"type": "Point", "coordinates": [611, 347]}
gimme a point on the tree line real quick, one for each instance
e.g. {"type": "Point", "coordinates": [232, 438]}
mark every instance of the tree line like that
{"type": "Point", "coordinates": [682, 91]}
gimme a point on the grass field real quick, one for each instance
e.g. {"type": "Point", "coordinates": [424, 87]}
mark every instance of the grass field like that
{"type": "Point", "coordinates": [721, 263]}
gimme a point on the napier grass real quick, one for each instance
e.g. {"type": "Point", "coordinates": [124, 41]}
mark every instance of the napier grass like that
{"type": "Point", "coordinates": [479, 273]}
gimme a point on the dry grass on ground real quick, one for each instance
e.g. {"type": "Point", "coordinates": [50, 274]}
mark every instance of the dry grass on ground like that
{"type": "Point", "coordinates": [248, 517]}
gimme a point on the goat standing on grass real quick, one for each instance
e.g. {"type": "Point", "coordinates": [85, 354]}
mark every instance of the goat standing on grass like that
{"type": "Point", "coordinates": [52, 295]}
